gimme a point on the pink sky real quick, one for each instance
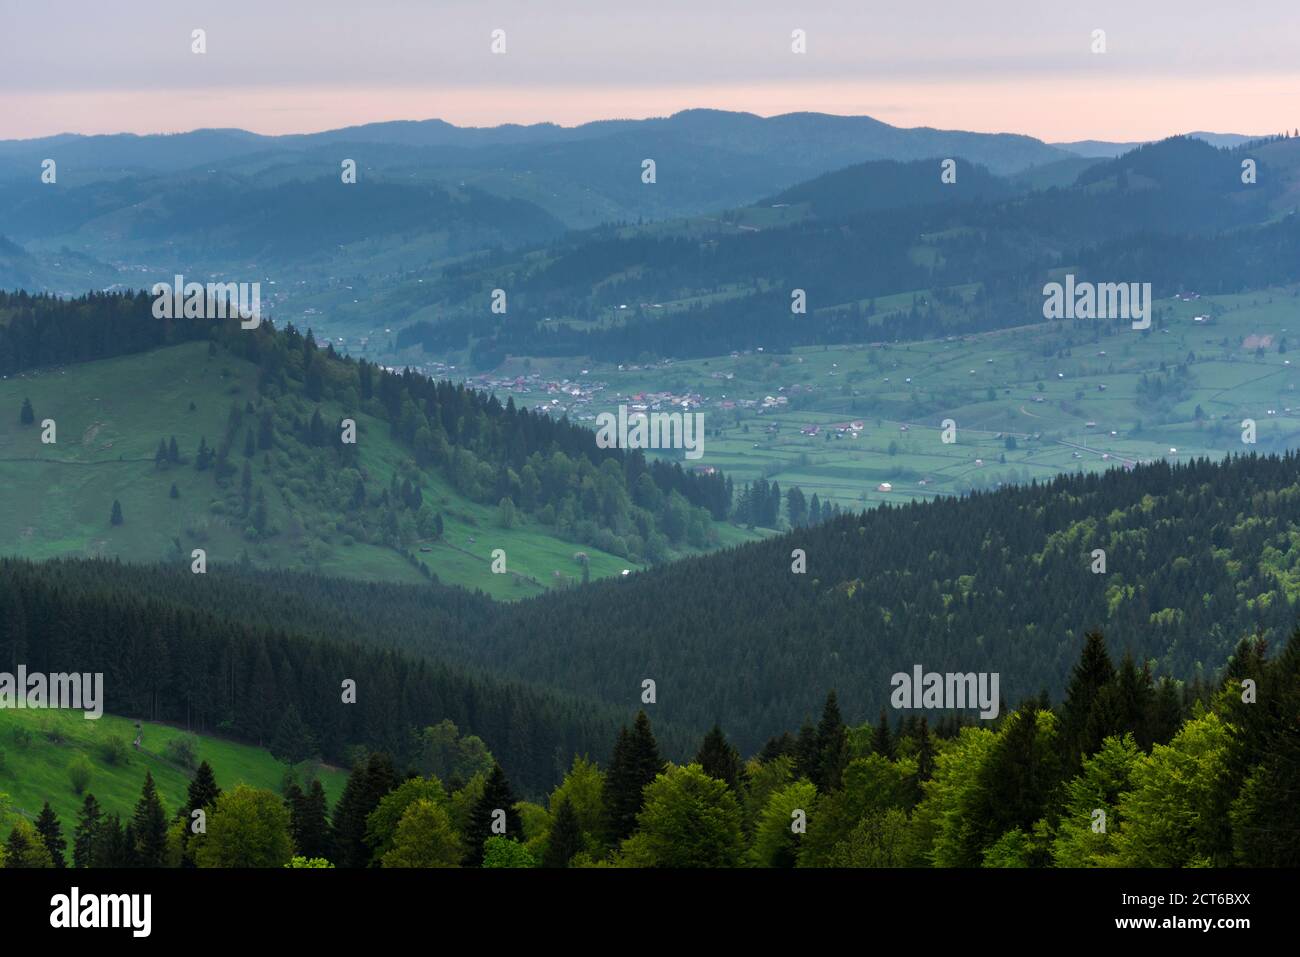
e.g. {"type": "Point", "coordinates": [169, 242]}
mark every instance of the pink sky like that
{"type": "Point", "coordinates": [1063, 110]}
{"type": "Point", "coordinates": [291, 66]}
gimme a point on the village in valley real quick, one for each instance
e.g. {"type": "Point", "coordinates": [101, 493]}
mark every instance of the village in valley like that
{"type": "Point", "coordinates": [862, 424]}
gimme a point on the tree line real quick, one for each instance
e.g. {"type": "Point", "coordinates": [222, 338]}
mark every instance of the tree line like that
{"type": "Point", "coordinates": [1118, 775]}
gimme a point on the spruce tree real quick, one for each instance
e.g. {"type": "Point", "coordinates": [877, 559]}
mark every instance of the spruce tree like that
{"type": "Point", "coordinates": [149, 825]}
{"type": "Point", "coordinates": [1166, 714]}
{"type": "Point", "coordinates": [202, 793]}
{"type": "Point", "coordinates": [1093, 672]}
{"type": "Point", "coordinates": [924, 752]}
{"type": "Point", "coordinates": [47, 825]}
{"type": "Point", "coordinates": [777, 747]}
{"type": "Point", "coordinates": [832, 747]}
{"type": "Point", "coordinates": [719, 759]}
{"type": "Point", "coordinates": [116, 517]}
{"type": "Point", "coordinates": [366, 787]}
{"type": "Point", "coordinates": [807, 756]}
{"type": "Point", "coordinates": [635, 763]}
{"type": "Point", "coordinates": [112, 846]}
{"type": "Point", "coordinates": [86, 837]}
{"type": "Point", "coordinates": [27, 416]}
{"type": "Point", "coordinates": [882, 739]}
{"type": "Point", "coordinates": [566, 836]}
{"type": "Point", "coordinates": [1016, 781]}
{"type": "Point", "coordinates": [309, 821]}
{"type": "Point", "coordinates": [497, 796]}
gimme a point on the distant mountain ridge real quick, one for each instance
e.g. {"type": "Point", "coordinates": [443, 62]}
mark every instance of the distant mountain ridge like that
{"type": "Point", "coordinates": [1105, 149]}
{"type": "Point", "coordinates": [828, 141]}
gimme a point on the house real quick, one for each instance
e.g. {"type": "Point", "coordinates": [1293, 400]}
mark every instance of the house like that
{"type": "Point", "coordinates": [885, 487]}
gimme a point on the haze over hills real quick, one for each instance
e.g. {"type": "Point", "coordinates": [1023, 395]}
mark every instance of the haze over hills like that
{"type": "Point", "coordinates": [811, 141]}
{"type": "Point", "coordinates": [1109, 150]}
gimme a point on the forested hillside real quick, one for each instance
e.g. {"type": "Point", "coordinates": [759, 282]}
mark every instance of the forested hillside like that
{"type": "Point", "coordinates": [242, 449]}
{"type": "Point", "coordinates": [1196, 557]}
{"type": "Point", "coordinates": [225, 654]}
{"type": "Point", "coordinates": [1175, 213]}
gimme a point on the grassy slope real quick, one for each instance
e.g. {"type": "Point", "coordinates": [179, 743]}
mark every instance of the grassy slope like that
{"type": "Point", "coordinates": [110, 416]}
{"type": "Point", "coordinates": [39, 772]}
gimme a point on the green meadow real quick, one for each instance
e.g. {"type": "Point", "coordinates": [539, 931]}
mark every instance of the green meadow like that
{"type": "Point", "coordinates": [109, 416]}
{"type": "Point", "coordinates": [36, 748]}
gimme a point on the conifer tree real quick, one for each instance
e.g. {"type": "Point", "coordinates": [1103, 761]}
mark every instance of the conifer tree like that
{"type": "Point", "coordinates": [309, 821]}
{"type": "Point", "coordinates": [112, 844]}
{"type": "Point", "coordinates": [47, 826]}
{"type": "Point", "coordinates": [566, 836]}
{"type": "Point", "coordinates": [635, 763]}
{"type": "Point", "coordinates": [1093, 672]}
{"type": "Point", "coordinates": [27, 416]}
{"type": "Point", "coordinates": [1166, 714]}
{"type": "Point", "coordinates": [719, 759]}
{"type": "Point", "coordinates": [149, 823]}
{"type": "Point", "coordinates": [86, 838]}
{"type": "Point", "coordinates": [777, 747]}
{"type": "Point", "coordinates": [832, 746]}
{"type": "Point", "coordinates": [202, 793]}
{"type": "Point", "coordinates": [366, 787]}
{"type": "Point", "coordinates": [497, 796]}
{"type": "Point", "coordinates": [924, 751]}
{"type": "Point", "coordinates": [882, 739]}
{"type": "Point", "coordinates": [116, 517]}
{"type": "Point", "coordinates": [807, 755]}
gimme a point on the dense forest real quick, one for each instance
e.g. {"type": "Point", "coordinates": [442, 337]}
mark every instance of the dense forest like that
{"type": "Point", "coordinates": [1196, 556]}
{"type": "Point", "coordinates": [254, 664]}
{"type": "Point", "coordinates": [1121, 774]}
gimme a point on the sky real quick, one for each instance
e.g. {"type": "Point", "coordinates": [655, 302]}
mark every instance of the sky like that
{"type": "Point", "coordinates": [289, 66]}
